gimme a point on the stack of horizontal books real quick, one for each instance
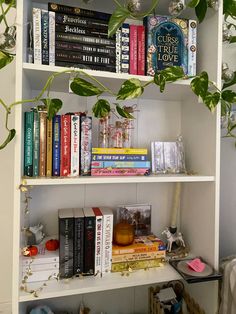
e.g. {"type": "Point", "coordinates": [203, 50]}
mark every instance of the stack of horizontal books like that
{"type": "Point", "coordinates": [145, 252]}
{"type": "Point", "coordinates": [119, 162]}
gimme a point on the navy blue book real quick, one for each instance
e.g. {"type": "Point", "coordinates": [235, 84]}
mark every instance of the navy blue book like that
{"type": "Point", "coordinates": [56, 145]}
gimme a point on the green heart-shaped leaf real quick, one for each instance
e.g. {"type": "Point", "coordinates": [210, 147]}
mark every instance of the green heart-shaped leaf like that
{"type": "Point", "coordinates": [229, 8]}
{"type": "Point", "coordinates": [53, 106]}
{"type": "Point", "coordinates": [82, 87]}
{"type": "Point", "coordinates": [229, 95]}
{"type": "Point", "coordinates": [199, 84]}
{"type": "Point", "coordinates": [211, 100]}
{"type": "Point", "coordinates": [101, 108]}
{"type": "Point", "coordinates": [201, 10]}
{"type": "Point", "coordinates": [193, 3]}
{"type": "Point", "coordinates": [173, 73]}
{"type": "Point", "coordinates": [10, 136]}
{"type": "Point", "coordinates": [5, 59]}
{"type": "Point", "coordinates": [130, 89]}
{"type": "Point", "coordinates": [118, 17]}
{"type": "Point", "coordinates": [123, 113]}
{"type": "Point", "coordinates": [232, 40]}
{"type": "Point", "coordinates": [159, 80]}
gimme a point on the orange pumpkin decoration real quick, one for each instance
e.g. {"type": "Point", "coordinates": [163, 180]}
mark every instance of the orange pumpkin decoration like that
{"type": "Point", "coordinates": [123, 233]}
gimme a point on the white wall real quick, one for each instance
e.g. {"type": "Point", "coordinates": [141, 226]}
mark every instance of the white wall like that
{"type": "Point", "coordinates": [7, 94]}
{"type": "Point", "coordinates": [228, 178]}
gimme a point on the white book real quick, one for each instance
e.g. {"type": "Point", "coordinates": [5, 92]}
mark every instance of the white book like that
{"type": "Point", "coordinates": [98, 240]}
{"type": "Point", "coordinates": [47, 258]}
{"type": "Point", "coordinates": [51, 38]}
{"type": "Point", "coordinates": [43, 275]}
{"type": "Point", "coordinates": [40, 267]}
{"type": "Point", "coordinates": [37, 36]}
{"type": "Point", "coordinates": [75, 141]}
{"type": "Point", "coordinates": [192, 47]}
{"type": "Point", "coordinates": [107, 235]}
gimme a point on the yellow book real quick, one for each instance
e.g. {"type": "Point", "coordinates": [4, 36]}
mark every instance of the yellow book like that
{"type": "Point", "coordinates": [119, 151]}
{"type": "Point", "coordinates": [131, 257]}
{"type": "Point", "coordinates": [135, 265]}
{"type": "Point", "coordinates": [49, 149]}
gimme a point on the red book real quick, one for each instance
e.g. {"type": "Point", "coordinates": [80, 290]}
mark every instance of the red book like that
{"type": "Point", "coordinates": [133, 50]}
{"type": "Point", "coordinates": [141, 50]}
{"type": "Point", "coordinates": [65, 145]}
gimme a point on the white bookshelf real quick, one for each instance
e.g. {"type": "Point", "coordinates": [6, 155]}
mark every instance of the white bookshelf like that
{"type": "Point", "coordinates": [161, 116]}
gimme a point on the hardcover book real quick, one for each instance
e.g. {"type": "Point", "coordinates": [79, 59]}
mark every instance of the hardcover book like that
{"type": "Point", "coordinates": [121, 164]}
{"type": "Point", "coordinates": [122, 157]}
{"type": "Point", "coordinates": [82, 39]}
{"type": "Point", "coordinates": [37, 35]}
{"type": "Point", "coordinates": [65, 145]}
{"type": "Point", "coordinates": [28, 142]}
{"type": "Point", "coordinates": [119, 151]}
{"type": "Point", "coordinates": [85, 145]}
{"type": "Point", "coordinates": [45, 36]}
{"type": "Point", "coordinates": [56, 145]}
{"type": "Point", "coordinates": [49, 149]}
{"type": "Point", "coordinates": [89, 241]}
{"type": "Point", "coordinates": [79, 30]}
{"type": "Point", "coordinates": [51, 38]}
{"type": "Point", "coordinates": [36, 143]}
{"type": "Point", "coordinates": [167, 43]}
{"type": "Point", "coordinates": [75, 142]}
{"type": "Point", "coordinates": [131, 257]}
{"type": "Point", "coordinates": [138, 215]}
{"type": "Point", "coordinates": [135, 265]}
{"type": "Point", "coordinates": [66, 239]}
{"type": "Point", "coordinates": [125, 43]}
{"type": "Point", "coordinates": [42, 142]}
{"type": "Point", "coordinates": [120, 172]}
{"type": "Point", "coordinates": [133, 51]}
{"type": "Point", "coordinates": [107, 235]}
{"type": "Point", "coordinates": [78, 241]}
{"type": "Point", "coordinates": [98, 240]}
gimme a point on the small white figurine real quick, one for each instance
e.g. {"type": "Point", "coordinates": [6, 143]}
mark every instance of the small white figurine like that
{"type": "Point", "coordinates": [173, 237]}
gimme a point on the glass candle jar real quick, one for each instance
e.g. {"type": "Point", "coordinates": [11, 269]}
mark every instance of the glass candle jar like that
{"type": "Point", "coordinates": [104, 131]}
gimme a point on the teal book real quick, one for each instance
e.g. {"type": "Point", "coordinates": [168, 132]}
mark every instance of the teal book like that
{"type": "Point", "coordinates": [36, 144]}
{"type": "Point", "coordinates": [167, 43]}
{"type": "Point", "coordinates": [28, 143]}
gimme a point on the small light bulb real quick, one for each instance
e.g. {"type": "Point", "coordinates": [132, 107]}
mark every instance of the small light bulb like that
{"type": "Point", "coordinates": [176, 7]}
{"type": "Point", "coordinates": [227, 73]}
{"type": "Point", "coordinates": [214, 4]}
{"type": "Point", "coordinates": [226, 34]}
{"type": "Point", "coordinates": [134, 6]}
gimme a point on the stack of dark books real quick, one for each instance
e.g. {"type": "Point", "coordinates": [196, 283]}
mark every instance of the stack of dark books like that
{"type": "Point", "coordinates": [81, 38]}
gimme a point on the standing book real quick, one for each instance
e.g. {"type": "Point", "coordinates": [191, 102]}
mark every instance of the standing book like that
{"type": "Point", "coordinates": [107, 235]}
{"type": "Point", "coordinates": [49, 149]}
{"type": "Point", "coordinates": [85, 145]}
{"type": "Point", "coordinates": [75, 142]}
{"type": "Point", "coordinates": [98, 240]}
{"type": "Point", "coordinates": [65, 145]}
{"type": "Point", "coordinates": [28, 143]}
{"type": "Point", "coordinates": [45, 37]}
{"type": "Point", "coordinates": [89, 241]}
{"type": "Point", "coordinates": [56, 145]}
{"type": "Point", "coordinates": [37, 36]}
{"type": "Point", "coordinates": [66, 239]}
{"type": "Point", "coordinates": [42, 142]}
{"type": "Point", "coordinates": [78, 241]}
{"type": "Point", "coordinates": [36, 143]}
{"type": "Point", "coordinates": [133, 59]}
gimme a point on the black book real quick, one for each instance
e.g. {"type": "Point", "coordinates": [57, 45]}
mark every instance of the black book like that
{"type": "Point", "coordinates": [45, 36]}
{"type": "Point", "coordinates": [80, 21]}
{"type": "Point", "coordinates": [78, 241]}
{"type": "Point", "coordinates": [96, 49]}
{"type": "Point", "coordinates": [81, 57]}
{"type": "Point", "coordinates": [81, 66]}
{"type": "Point", "coordinates": [80, 30]}
{"type": "Point", "coordinates": [60, 8]}
{"type": "Point", "coordinates": [78, 38]}
{"type": "Point", "coordinates": [66, 239]}
{"type": "Point", "coordinates": [89, 241]}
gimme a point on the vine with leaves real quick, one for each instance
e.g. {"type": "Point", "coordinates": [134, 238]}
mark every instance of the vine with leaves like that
{"type": "Point", "coordinates": [133, 88]}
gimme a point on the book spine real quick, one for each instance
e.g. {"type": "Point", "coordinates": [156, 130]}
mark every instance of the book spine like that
{"type": "Point", "coordinates": [119, 151]}
{"type": "Point", "coordinates": [37, 36]}
{"type": "Point", "coordinates": [145, 264]}
{"type": "Point", "coordinates": [192, 47]}
{"type": "Point", "coordinates": [40, 267]}
{"type": "Point", "coordinates": [103, 50]}
{"type": "Point", "coordinates": [120, 164]}
{"type": "Point", "coordinates": [136, 249]}
{"type": "Point", "coordinates": [66, 247]}
{"type": "Point", "coordinates": [78, 245]}
{"type": "Point", "coordinates": [107, 243]}
{"type": "Point", "coordinates": [56, 145]}
{"type": "Point", "coordinates": [133, 65]}
{"type": "Point", "coordinates": [118, 51]}
{"type": "Point", "coordinates": [85, 145]}
{"type": "Point", "coordinates": [28, 152]}
{"type": "Point", "coordinates": [106, 157]}
{"type": "Point", "coordinates": [65, 145]}
{"type": "Point", "coordinates": [98, 241]}
{"type": "Point", "coordinates": [108, 68]}
{"type": "Point", "coordinates": [80, 21]}
{"type": "Point", "coordinates": [125, 42]}
{"type": "Point", "coordinates": [83, 57]}
{"type": "Point", "coordinates": [45, 36]}
{"type": "Point", "coordinates": [137, 256]}
{"type": "Point", "coordinates": [42, 143]}
{"type": "Point", "coordinates": [78, 30]}
{"type": "Point", "coordinates": [51, 38]}
{"type": "Point", "coordinates": [141, 50]}
{"type": "Point", "coordinates": [49, 149]}
{"type": "Point", "coordinates": [36, 144]}
{"type": "Point", "coordinates": [60, 8]}
{"type": "Point", "coordinates": [89, 245]}
{"type": "Point", "coordinates": [42, 275]}
{"type": "Point", "coordinates": [75, 142]}
{"type": "Point", "coordinates": [120, 172]}
{"type": "Point", "coordinates": [84, 39]}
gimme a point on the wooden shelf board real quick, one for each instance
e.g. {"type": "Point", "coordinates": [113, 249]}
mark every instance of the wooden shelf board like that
{"type": "Point", "coordinates": [38, 75]}
{"type": "Point", "coordinates": [75, 286]}
{"type": "Point", "coordinates": [117, 179]}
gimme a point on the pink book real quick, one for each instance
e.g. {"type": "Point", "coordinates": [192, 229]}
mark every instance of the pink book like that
{"type": "Point", "coordinates": [65, 145]}
{"type": "Point", "coordinates": [141, 50]}
{"type": "Point", "coordinates": [133, 50]}
{"type": "Point", "coordinates": [120, 172]}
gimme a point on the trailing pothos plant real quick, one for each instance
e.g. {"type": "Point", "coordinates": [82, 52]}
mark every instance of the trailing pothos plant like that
{"type": "Point", "coordinates": [86, 85]}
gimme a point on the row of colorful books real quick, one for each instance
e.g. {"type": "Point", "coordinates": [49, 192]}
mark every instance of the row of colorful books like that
{"type": "Point", "coordinates": [119, 162]}
{"type": "Point", "coordinates": [71, 36]}
{"type": "Point", "coordinates": [57, 147]}
{"type": "Point", "coordinates": [85, 236]}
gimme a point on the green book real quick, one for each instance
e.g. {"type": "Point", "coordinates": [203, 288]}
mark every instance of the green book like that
{"type": "Point", "coordinates": [28, 144]}
{"type": "Point", "coordinates": [36, 144]}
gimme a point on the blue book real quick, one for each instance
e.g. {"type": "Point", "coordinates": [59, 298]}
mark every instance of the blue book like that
{"type": "Point", "coordinates": [121, 164]}
{"type": "Point", "coordinates": [118, 157]}
{"type": "Point", "coordinates": [56, 145]}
